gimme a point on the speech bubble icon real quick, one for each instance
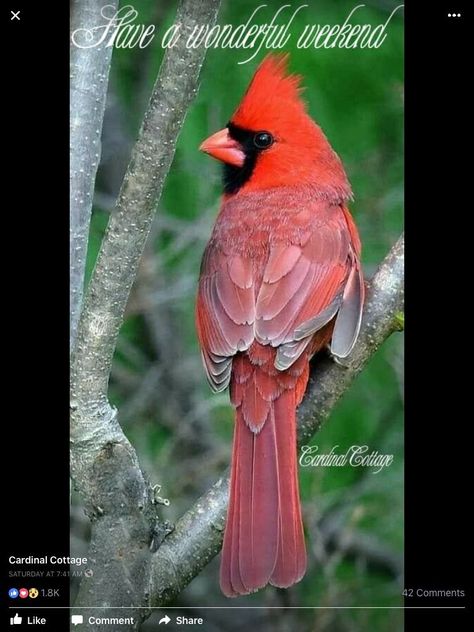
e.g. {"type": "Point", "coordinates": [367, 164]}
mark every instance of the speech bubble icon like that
{"type": "Point", "coordinates": [77, 619]}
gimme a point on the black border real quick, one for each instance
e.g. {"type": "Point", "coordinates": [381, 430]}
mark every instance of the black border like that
{"type": "Point", "coordinates": [437, 201]}
{"type": "Point", "coordinates": [35, 297]}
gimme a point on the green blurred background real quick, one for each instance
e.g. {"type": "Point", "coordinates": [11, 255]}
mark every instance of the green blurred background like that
{"type": "Point", "coordinates": [353, 518]}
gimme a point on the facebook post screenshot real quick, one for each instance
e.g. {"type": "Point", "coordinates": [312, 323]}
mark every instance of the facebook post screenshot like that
{"type": "Point", "coordinates": [220, 412]}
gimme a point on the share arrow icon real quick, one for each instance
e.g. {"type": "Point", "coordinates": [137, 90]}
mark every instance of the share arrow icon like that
{"type": "Point", "coordinates": [164, 620]}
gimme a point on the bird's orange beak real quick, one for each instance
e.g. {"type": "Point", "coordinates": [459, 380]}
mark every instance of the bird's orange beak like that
{"type": "Point", "coordinates": [222, 147]}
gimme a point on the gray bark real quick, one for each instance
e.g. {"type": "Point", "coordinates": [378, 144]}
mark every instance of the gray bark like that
{"type": "Point", "coordinates": [104, 466]}
{"type": "Point", "coordinates": [197, 536]}
{"type": "Point", "coordinates": [89, 69]}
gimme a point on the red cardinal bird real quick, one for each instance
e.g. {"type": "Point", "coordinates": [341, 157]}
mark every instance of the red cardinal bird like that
{"type": "Point", "coordinates": [280, 279]}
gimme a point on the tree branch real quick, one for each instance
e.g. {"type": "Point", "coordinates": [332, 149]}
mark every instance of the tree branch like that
{"type": "Point", "coordinates": [104, 465]}
{"type": "Point", "coordinates": [197, 536]}
{"type": "Point", "coordinates": [89, 69]}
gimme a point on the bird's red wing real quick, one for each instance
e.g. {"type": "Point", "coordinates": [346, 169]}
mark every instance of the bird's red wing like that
{"type": "Point", "coordinates": [225, 312]}
{"type": "Point", "coordinates": [303, 287]}
{"type": "Point", "coordinates": [307, 281]}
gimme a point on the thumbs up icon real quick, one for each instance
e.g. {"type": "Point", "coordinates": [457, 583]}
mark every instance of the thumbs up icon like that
{"type": "Point", "coordinates": [16, 620]}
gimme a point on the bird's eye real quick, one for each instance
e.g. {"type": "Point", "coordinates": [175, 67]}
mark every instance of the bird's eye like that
{"type": "Point", "coordinates": [263, 140]}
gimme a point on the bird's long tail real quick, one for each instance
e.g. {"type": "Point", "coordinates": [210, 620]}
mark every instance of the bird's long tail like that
{"type": "Point", "coordinates": [264, 539]}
